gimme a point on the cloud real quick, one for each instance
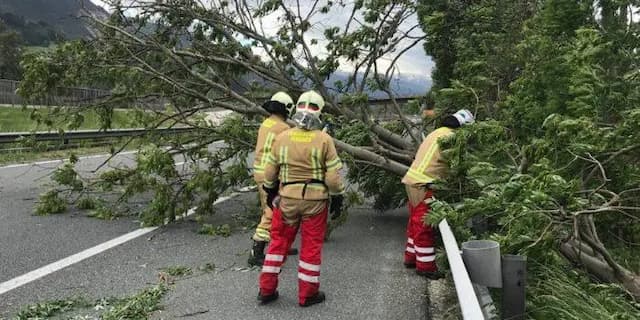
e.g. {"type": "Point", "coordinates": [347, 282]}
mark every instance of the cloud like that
{"type": "Point", "coordinates": [101, 3]}
{"type": "Point", "coordinates": [414, 62]}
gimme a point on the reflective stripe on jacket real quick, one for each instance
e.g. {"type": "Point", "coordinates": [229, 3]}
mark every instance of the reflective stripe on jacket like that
{"type": "Point", "coordinates": [428, 165]}
{"type": "Point", "coordinates": [269, 129]}
{"type": "Point", "coordinates": [299, 155]}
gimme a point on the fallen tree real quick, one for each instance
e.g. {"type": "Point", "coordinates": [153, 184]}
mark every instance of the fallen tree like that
{"type": "Point", "coordinates": [550, 169]}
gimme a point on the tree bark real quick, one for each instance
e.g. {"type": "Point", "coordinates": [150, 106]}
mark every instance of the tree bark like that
{"type": "Point", "coordinates": [574, 251]}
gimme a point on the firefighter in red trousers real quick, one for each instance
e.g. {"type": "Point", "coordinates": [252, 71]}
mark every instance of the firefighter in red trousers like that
{"type": "Point", "coordinates": [280, 106]}
{"type": "Point", "coordinates": [427, 167]}
{"type": "Point", "coordinates": [305, 161]}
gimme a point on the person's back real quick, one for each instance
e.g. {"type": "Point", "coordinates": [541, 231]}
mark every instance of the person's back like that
{"type": "Point", "coordinates": [309, 164]}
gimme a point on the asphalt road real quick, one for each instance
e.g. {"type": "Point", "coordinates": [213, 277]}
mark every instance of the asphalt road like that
{"type": "Point", "coordinates": [362, 270]}
{"type": "Point", "coordinates": [28, 241]}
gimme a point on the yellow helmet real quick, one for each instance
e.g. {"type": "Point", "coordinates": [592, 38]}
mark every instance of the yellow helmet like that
{"type": "Point", "coordinates": [310, 102]}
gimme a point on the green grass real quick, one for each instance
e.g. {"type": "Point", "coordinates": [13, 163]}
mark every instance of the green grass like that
{"type": "Point", "coordinates": [18, 119]}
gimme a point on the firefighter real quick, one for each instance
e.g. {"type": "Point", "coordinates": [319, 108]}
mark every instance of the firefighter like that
{"type": "Point", "coordinates": [302, 173]}
{"type": "Point", "coordinates": [427, 167]}
{"type": "Point", "coordinates": [280, 107]}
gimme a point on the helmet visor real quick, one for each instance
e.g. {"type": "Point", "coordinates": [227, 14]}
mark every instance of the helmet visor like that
{"type": "Point", "coordinates": [308, 106]}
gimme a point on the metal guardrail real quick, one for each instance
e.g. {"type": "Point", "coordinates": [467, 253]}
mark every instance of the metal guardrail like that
{"type": "Point", "coordinates": [480, 265]}
{"type": "Point", "coordinates": [469, 305]}
{"type": "Point", "coordinates": [13, 137]}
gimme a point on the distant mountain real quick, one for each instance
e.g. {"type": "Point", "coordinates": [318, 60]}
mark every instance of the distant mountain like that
{"type": "Point", "coordinates": [51, 20]}
{"type": "Point", "coordinates": [402, 86]}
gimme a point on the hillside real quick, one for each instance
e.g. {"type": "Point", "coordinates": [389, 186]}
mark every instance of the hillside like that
{"type": "Point", "coordinates": [43, 21]}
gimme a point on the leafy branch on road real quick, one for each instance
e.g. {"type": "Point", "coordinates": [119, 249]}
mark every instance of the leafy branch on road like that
{"type": "Point", "coordinates": [137, 306]}
{"type": "Point", "coordinates": [206, 175]}
{"type": "Point", "coordinates": [45, 310]}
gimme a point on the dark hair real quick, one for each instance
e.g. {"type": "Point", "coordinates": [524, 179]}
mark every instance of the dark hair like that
{"type": "Point", "coordinates": [450, 122]}
{"type": "Point", "coordinates": [275, 107]}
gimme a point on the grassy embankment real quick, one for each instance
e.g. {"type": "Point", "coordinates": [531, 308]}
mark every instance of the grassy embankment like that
{"type": "Point", "coordinates": [18, 119]}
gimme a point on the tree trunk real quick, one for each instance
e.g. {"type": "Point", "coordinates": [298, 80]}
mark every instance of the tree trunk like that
{"type": "Point", "coordinates": [574, 251]}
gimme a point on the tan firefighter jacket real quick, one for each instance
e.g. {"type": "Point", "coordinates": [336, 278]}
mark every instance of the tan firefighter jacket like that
{"type": "Point", "coordinates": [307, 164]}
{"type": "Point", "coordinates": [270, 128]}
{"type": "Point", "coordinates": [428, 165]}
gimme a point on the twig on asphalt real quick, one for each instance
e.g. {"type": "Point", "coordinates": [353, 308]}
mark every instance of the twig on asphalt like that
{"type": "Point", "coordinates": [193, 313]}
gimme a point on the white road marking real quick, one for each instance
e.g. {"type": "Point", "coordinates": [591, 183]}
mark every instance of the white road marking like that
{"type": "Point", "coordinates": [73, 259]}
{"type": "Point", "coordinates": [60, 264]}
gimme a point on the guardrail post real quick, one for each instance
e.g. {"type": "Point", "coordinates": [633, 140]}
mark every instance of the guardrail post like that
{"type": "Point", "coordinates": [514, 275]}
{"type": "Point", "coordinates": [482, 259]}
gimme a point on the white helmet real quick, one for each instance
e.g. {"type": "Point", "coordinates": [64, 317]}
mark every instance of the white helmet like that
{"type": "Point", "coordinates": [464, 117]}
{"type": "Point", "coordinates": [310, 102]}
{"type": "Point", "coordinates": [285, 99]}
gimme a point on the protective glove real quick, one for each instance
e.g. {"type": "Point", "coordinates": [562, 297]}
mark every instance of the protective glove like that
{"type": "Point", "coordinates": [335, 208]}
{"type": "Point", "coordinates": [272, 193]}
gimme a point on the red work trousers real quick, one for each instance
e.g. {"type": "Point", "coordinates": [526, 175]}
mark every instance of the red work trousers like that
{"type": "Point", "coordinates": [420, 238]}
{"type": "Point", "coordinates": [282, 236]}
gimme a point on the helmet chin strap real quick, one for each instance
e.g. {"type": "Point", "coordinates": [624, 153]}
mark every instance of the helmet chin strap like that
{"type": "Point", "coordinates": [307, 121]}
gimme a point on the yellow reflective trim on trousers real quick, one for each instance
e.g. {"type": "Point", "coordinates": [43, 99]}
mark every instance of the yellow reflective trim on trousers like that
{"type": "Point", "coordinates": [419, 177]}
{"type": "Point", "coordinates": [428, 157]}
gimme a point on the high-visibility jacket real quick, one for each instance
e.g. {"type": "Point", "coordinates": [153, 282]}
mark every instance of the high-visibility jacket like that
{"type": "Point", "coordinates": [269, 129]}
{"type": "Point", "coordinates": [307, 164]}
{"type": "Point", "coordinates": [428, 165]}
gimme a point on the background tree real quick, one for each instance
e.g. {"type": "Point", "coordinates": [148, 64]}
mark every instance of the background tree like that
{"type": "Point", "coordinates": [10, 53]}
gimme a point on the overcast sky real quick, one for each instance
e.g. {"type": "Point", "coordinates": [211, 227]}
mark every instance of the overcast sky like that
{"type": "Point", "coordinates": [413, 63]}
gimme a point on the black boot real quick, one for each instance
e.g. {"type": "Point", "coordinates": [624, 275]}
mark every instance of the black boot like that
{"type": "Point", "coordinates": [267, 299]}
{"type": "Point", "coordinates": [317, 298]}
{"type": "Point", "coordinates": [256, 257]}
